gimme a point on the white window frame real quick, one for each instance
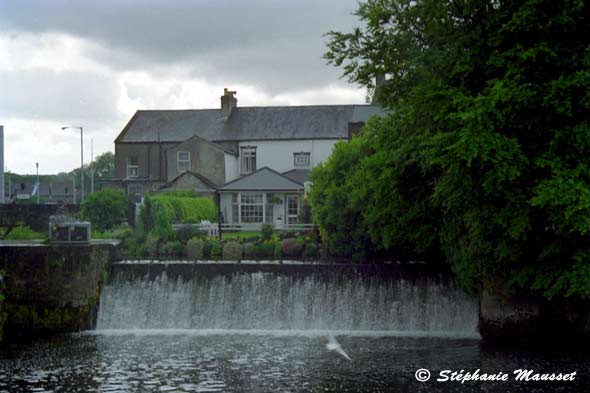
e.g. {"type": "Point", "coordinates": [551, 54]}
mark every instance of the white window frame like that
{"type": "Point", "coordinates": [302, 159]}
{"type": "Point", "coordinates": [235, 207]}
{"type": "Point", "coordinates": [250, 202]}
{"type": "Point", "coordinates": [132, 171]}
{"type": "Point", "coordinates": [292, 218]}
{"type": "Point", "coordinates": [184, 162]}
{"type": "Point", "coordinates": [247, 159]}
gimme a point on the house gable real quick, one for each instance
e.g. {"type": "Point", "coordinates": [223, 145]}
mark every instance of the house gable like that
{"type": "Point", "coordinates": [262, 179]}
{"type": "Point", "coordinates": [190, 181]}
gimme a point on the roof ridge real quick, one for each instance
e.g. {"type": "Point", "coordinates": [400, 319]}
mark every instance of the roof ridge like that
{"type": "Point", "coordinates": [258, 107]}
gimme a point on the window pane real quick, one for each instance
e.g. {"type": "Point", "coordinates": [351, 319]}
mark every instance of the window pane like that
{"type": "Point", "coordinates": [301, 159]}
{"type": "Point", "coordinates": [248, 159]}
{"type": "Point", "coordinates": [251, 207]}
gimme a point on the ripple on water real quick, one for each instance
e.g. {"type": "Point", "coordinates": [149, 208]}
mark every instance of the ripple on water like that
{"type": "Point", "coordinates": [256, 363]}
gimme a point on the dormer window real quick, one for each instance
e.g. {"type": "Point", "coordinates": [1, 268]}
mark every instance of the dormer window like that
{"type": "Point", "coordinates": [302, 159]}
{"type": "Point", "coordinates": [132, 167]}
{"type": "Point", "coordinates": [247, 159]}
{"type": "Point", "coordinates": [183, 162]}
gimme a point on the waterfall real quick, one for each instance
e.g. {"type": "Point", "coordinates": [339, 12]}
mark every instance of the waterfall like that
{"type": "Point", "coordinates": [275, 299]}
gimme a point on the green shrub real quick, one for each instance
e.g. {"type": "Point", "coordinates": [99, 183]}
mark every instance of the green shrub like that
{"type": "Point", "coordinates": [187, 210]}
{"type": "Point", "coordinates": [305, 211]}
{"type": "Point", "coordinates": [131, 249]}
{"type": "Point", "coordinates": [105, 208]}
{"type": "Point", "coordinates": [267, 231]}
{"type": "Point", "coordinates": [25, 233]}
{"type": "Point", "coordinates": [250, 239]}
{"type": "Point", "coordinates": [216, 249]}
{"type": "Point", "coordinates": [185, 233]}
{"type": "Point", "coordinates": [265, 250]}
{"type": "Point", "coordinates": [194, 248]}
{"type": "Point", "coordinates": [178, 193]}
{"type": "Point", "coordinates": [310, 250]}
{"type": "Point", "coordinates": [232, 250]}
{"type": "Point", "coordinates": [278, 255]}
{"type": "Point", "coordinates": [207, 246]}
{"type": "Point", "coordinates": [150, 247]}
{"type": "Point", "coordinates": [122, 233]}
{"type": "Point", "coordinates": [173, 249]}
{"type": "Point", "coordinates": [248, 250]}
{"type": "Point", "coordinates": [291, 247]}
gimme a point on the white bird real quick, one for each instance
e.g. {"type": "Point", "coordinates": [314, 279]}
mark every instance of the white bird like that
{"type": "Point", "coordinates": [334, 345]}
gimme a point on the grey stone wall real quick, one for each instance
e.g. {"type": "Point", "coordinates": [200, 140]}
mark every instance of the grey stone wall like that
{"type": "Point", "coordinates": [206, 159]}
{"type": "Point", "coordinates": [52, 289]}
{"type": "Point", "coordinates": [148, 155]}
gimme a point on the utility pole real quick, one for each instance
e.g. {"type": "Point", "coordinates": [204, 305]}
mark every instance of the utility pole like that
{"type": "Point", "coordinates": [91, 165]}
{"type": "Point", "coordinates": [38, 184]}
{"type": "Point", "coordinates": [81, 161]}
{"type": "Point", "coordinates": [74, 188]}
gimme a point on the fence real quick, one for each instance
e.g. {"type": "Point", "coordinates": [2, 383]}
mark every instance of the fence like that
{"type": "Point", "coordinates": [237, 227]}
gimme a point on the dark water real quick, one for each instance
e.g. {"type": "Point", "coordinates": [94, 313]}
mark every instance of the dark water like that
{"type": "Point", "coordinates": [197, 361]}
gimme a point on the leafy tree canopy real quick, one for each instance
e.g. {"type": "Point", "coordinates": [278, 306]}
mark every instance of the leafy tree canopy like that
{"type": "Point", "coordinates": [483, 156]}
{"type": "Point", "coordinates": [105, 209]}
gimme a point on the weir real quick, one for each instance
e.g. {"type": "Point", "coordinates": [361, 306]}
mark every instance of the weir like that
{"type": "Point", "coordinates": [389, 299]}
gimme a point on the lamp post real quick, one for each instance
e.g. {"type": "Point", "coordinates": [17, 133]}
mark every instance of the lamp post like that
{"type": "Point", "coordinates": [81, 160]}
{"type": "Point", "coordinates": [38, 185]}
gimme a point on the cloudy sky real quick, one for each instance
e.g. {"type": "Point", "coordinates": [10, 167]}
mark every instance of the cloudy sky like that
{"type": "Point", "coordinates": [94, 63]}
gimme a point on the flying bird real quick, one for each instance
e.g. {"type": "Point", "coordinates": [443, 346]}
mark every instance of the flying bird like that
{"type": "Point", "coordinates": [334, 345]}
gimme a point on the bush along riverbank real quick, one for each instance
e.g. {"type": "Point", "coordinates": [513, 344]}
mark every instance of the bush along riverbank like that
{"type": "Point", "coordinates": [192, 244]}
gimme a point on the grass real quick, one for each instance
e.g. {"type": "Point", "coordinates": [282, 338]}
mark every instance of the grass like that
{"type": "Point", "coordinates": [102, 235]}
{"type": "Point", "coordinates": [240, 235]}
{"type": "Point", "coordinates": [25, 233]}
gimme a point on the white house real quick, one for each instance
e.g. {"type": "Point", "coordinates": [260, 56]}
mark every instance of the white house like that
{"type": "Point", "coordinates": [256, 158]}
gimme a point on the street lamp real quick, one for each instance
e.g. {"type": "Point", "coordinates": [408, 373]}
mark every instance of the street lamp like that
{"type": "Point", "coordinates": [81, 160]}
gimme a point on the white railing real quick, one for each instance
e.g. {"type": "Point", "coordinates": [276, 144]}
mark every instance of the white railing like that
{"type": "Point", "coordinates": [258, 227]}
{"type": "Point", "coordinates": [237, 227]}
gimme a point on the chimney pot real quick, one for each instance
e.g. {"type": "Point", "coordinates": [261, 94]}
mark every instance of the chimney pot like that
{"type": "Point", "coordinates": [228, 101]}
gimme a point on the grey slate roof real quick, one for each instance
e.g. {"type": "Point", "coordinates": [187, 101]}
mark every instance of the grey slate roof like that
{"type": "Point", "coordinates": [246, 123]}
{"type": "Point", "coordinates": [298, 175]}
{"type": "Point", "coordinates": [263, 179]}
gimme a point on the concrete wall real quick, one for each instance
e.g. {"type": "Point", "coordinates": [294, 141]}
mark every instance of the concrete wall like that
{"type": "Point", "coordinates": [206, 159]}
{"type": "Point", "coordinates": [278, 155]}
{"type": "Point", "coordinates": [51, 289]}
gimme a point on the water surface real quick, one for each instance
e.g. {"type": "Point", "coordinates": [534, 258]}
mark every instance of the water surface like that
{"type": "Point", "coordinates": [216, 361]}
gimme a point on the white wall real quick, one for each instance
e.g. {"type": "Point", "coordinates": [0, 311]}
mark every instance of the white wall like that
{"type": "Point", "coordinates": [231, 167]}
{"type": "Point", "coordinates": [225, 206]}
{"type": "Point", "coordinates": [278, 155]}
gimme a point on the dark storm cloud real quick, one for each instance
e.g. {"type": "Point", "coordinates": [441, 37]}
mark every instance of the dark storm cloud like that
{"type": "Point", "coordinates": [276, 45]}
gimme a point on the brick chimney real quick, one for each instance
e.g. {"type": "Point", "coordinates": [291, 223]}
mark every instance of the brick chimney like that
{"type": "Point", "coordinates": [228, 101]}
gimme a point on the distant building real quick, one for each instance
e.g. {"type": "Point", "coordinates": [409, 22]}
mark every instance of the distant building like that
{"type": "Point", "coordinates": [51, 192]}
{"type": "Point", "coordinates": [257, 158]}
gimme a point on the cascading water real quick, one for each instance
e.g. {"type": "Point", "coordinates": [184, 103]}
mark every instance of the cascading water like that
{"type": "Point", "coordinates": [271, 299]}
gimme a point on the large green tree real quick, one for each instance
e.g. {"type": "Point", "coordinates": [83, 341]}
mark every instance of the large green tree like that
{"type": "Point", "coordinates": [484, 153]}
